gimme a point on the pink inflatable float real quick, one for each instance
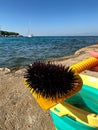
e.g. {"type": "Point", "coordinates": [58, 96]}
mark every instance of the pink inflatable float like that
{"type": "Point", "coordinates": [94, 53]}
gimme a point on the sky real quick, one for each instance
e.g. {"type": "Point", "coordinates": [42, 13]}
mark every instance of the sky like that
{"type": "Point", "coordinates": [50, 17]}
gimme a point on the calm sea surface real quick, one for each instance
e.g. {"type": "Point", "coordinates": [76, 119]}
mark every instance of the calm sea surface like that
{"type": "Point", "coordinates": [23, 51]}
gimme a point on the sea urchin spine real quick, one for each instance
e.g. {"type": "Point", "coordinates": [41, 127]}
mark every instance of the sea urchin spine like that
{"type": "Point", "coordinates": [50, 80]}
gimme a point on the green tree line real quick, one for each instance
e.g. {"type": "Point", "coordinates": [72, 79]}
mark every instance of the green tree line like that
{"type": "Point", "coordinates": [6, 33]}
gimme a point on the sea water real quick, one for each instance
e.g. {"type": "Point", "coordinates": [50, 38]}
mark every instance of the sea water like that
{"type": "Point", "coordinates": [21, 51]}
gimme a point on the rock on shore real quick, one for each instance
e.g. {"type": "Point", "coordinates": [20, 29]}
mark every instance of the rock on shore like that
{"type": "Point", "coordinates": [18, 109]}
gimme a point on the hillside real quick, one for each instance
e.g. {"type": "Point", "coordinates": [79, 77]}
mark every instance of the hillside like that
{"type": "Point", "coordinates": [6, 33]}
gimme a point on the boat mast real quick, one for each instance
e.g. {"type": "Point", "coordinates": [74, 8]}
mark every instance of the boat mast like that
{"type": "Point", "coordinates": [29, 30]}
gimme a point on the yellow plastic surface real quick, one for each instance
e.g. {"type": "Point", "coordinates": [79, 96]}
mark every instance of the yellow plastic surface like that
{"type": "Point", "coordinates": [47, 103]}
{"type": "Point", "coordinates": [79, 67]}
{"type": "Point", "coordinates": [65, 109]}
{"type": "Point", "coordinates": [85, 64]}
{"type": "Point", "coordinates": [90, 81]}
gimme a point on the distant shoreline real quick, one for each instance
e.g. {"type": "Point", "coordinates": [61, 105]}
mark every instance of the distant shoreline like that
{"type": "Point", "coordinates": [8, 34]}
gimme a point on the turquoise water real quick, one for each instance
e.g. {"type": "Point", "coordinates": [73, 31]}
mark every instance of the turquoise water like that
{"type": "Point", "coordinates": [22, 51]}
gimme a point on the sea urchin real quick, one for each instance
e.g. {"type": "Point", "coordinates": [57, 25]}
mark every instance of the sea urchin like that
{"type": "Point", "coordinates": [50, 80]}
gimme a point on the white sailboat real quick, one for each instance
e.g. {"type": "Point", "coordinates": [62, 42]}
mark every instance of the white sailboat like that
{"type": "Point", "coordinates": [30, 34]}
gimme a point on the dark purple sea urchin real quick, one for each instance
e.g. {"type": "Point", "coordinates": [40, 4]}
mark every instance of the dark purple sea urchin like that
{"type": "Point", "coordinates": [50, 80]}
